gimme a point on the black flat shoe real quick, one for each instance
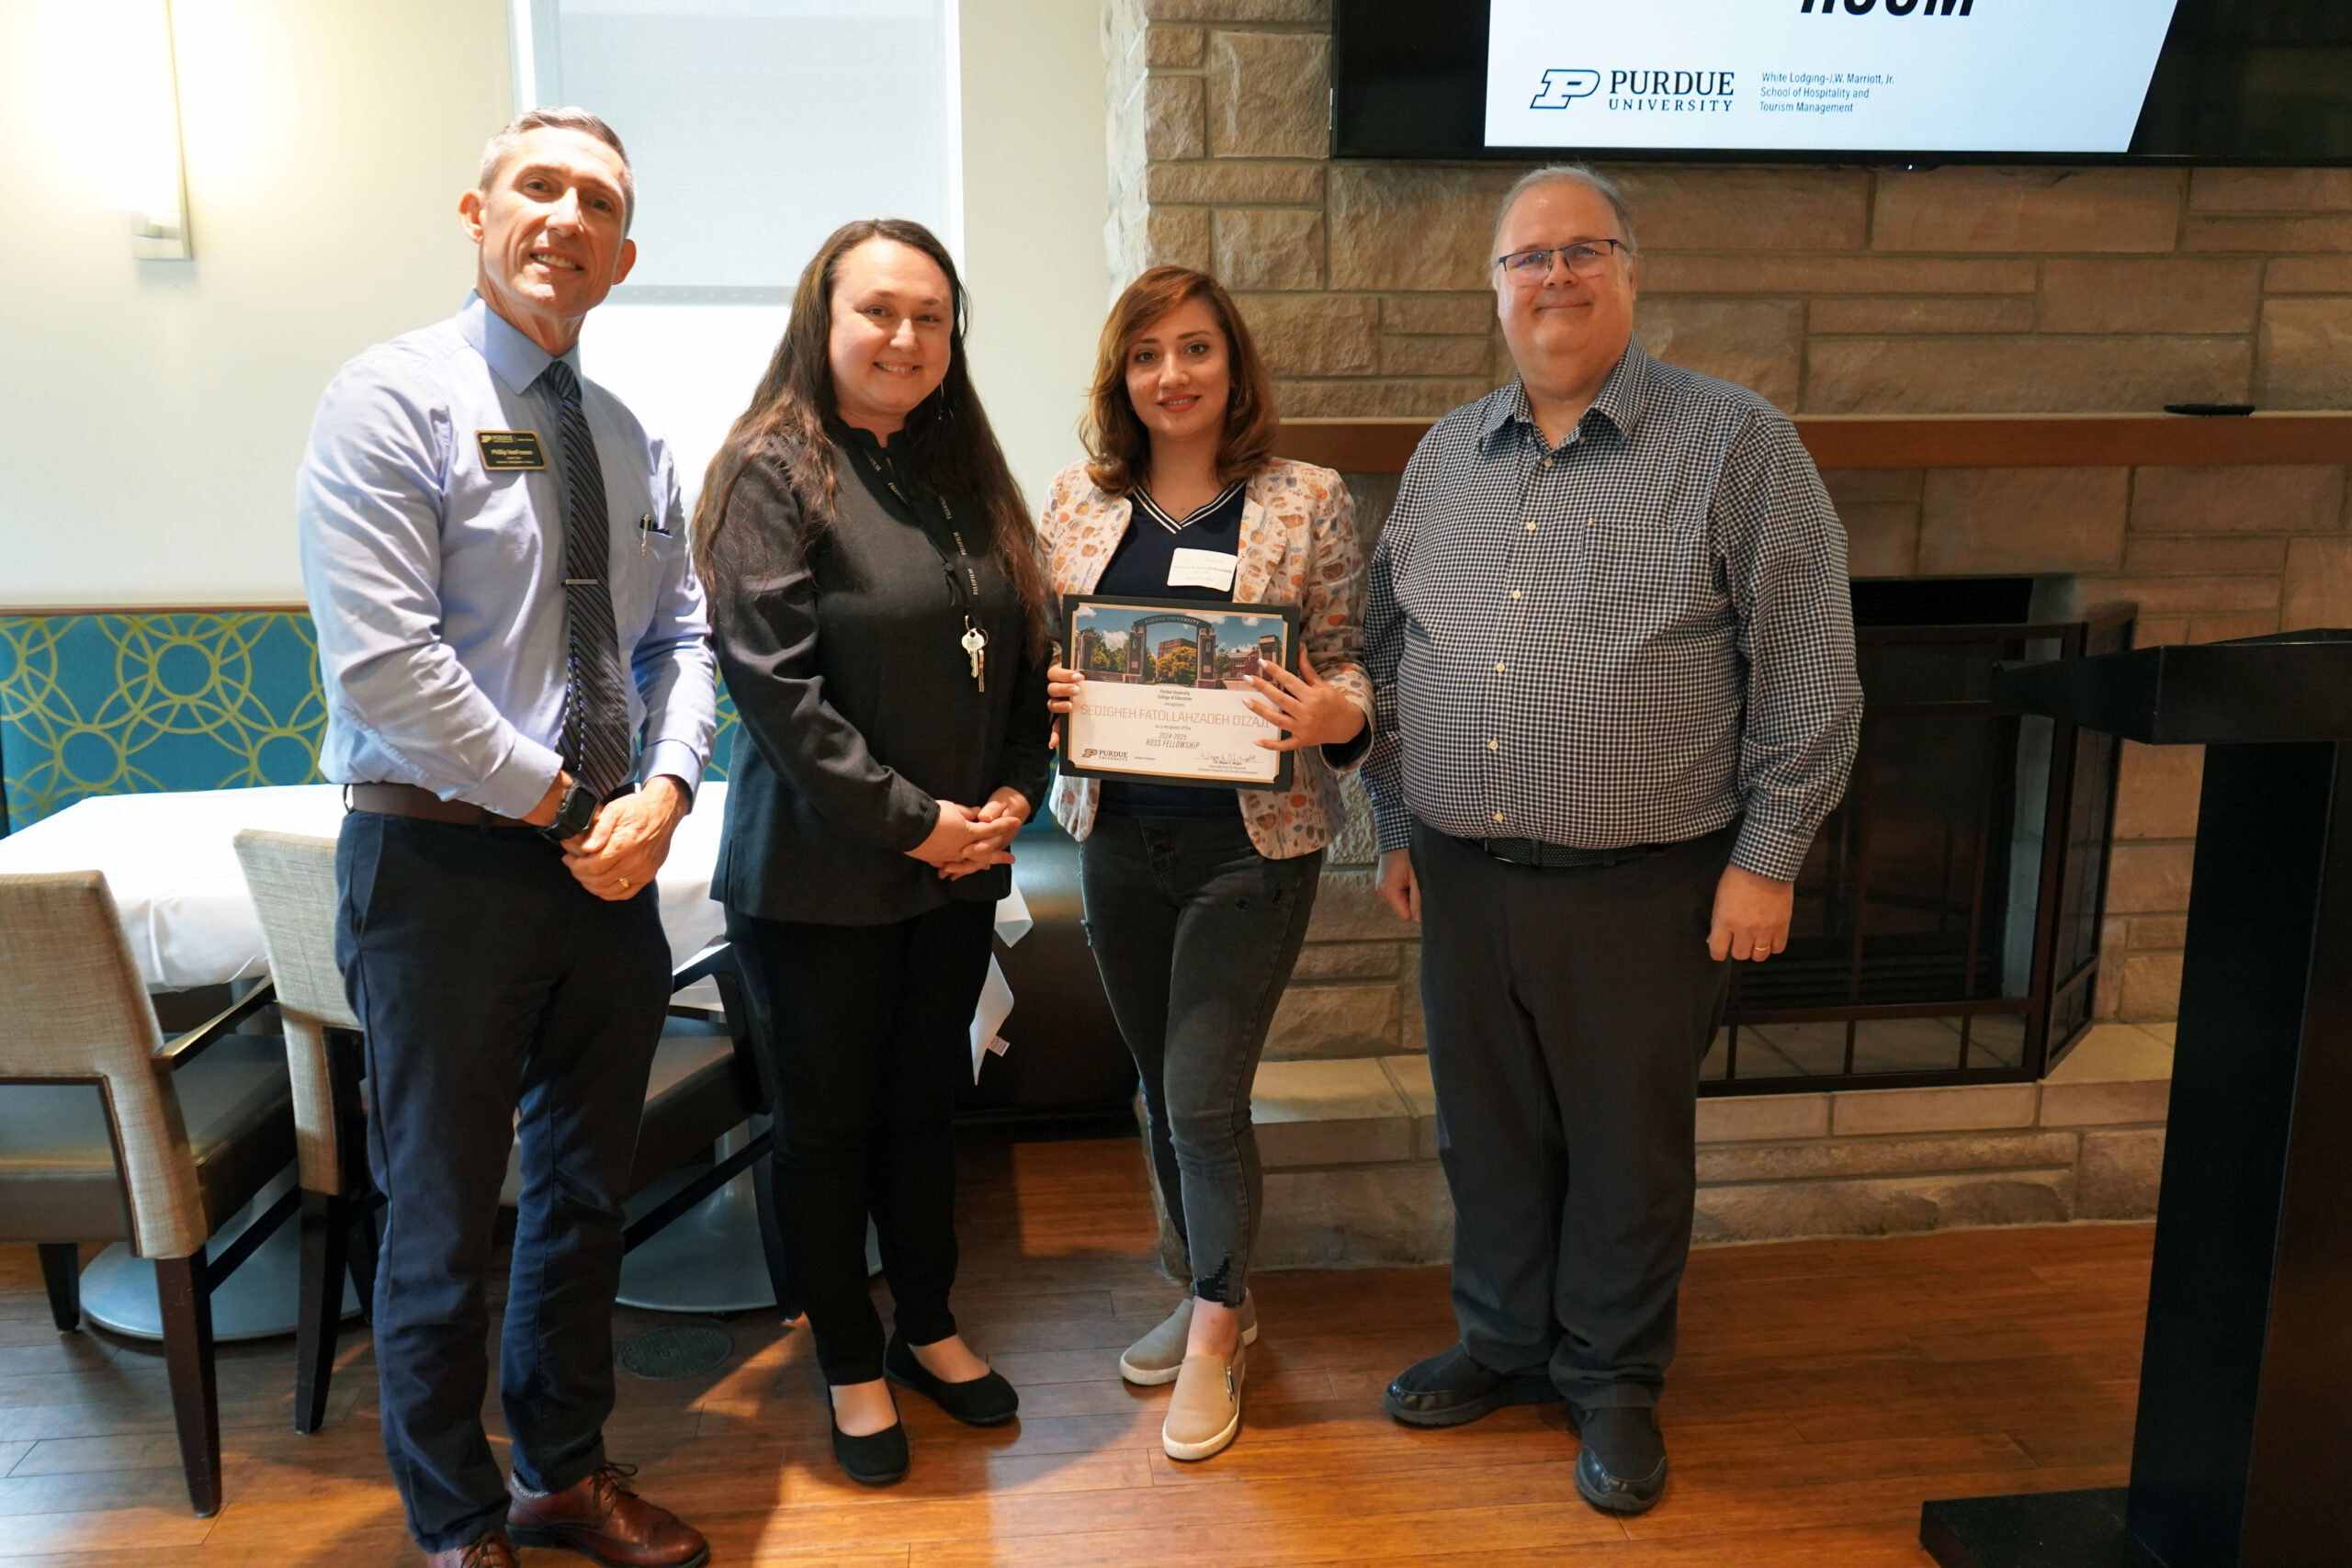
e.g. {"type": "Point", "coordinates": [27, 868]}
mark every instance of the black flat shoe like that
{"type": "Point", "coordinates": [876, 1460]}
{"type": "Point", "coordinates": [1450, 1389]}
{"type": "Point", "coordinates": [988, 1401]}
{"type": "Point", "coordinates": [1621, 1468]}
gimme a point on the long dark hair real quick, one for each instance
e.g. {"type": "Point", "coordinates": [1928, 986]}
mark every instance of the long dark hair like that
{"type": "Point", "coordinates": [946, 441]}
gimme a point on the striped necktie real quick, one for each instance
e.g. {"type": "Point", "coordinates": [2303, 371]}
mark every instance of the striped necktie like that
{"type": "Point", "coordinates": [595, 703]}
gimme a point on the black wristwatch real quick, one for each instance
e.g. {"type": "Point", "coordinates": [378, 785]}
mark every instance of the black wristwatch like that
{"type": "Point", "coordinates": [573, 814]}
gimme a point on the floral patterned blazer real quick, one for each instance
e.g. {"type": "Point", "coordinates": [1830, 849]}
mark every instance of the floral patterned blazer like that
{"type": "Point", "coordinates": [1297, 545]}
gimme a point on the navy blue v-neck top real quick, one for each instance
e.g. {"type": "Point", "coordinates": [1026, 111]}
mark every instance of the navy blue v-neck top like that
{"type": "Point", "coordinates": [1138, 570]}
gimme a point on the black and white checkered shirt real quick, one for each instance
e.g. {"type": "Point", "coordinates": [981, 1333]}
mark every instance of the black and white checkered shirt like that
{"type": "Point", "coordinates": [1634, 638]}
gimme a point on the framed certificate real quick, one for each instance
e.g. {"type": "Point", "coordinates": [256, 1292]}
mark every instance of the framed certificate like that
{"type": "Point", "coordinates": [1165, 690]}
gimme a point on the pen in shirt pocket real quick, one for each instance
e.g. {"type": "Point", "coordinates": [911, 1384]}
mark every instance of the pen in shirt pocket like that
{"type": "Point", "coordinates": [646, 528]}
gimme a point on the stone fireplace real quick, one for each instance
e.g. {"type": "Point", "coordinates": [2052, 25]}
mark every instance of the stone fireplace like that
{"type": "Point", "coordinates": [1948, 292]}
{"type": "Point", "coordinates": [1907, 319]}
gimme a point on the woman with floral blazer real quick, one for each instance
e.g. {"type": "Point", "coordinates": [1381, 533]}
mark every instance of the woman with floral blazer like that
{"type": "Point", "coordinates": [1197, 897]}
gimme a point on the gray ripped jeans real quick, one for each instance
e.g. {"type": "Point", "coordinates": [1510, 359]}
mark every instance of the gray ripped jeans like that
{"type": "Point", "coordinates": [1195, 933]}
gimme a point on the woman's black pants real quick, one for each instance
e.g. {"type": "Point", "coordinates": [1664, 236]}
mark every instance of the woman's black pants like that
{"type": "Point", "coordinates": [866, 1033]}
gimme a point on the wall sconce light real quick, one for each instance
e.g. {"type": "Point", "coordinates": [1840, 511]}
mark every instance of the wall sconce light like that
{"type": "Point", "coordinates": [114, 95]}
{"type": "Point", "coordinates": [153, 178]}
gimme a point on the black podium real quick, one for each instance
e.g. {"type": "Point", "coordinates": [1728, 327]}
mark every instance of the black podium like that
{"type": "Point", "coordinates": [2243, 1451]}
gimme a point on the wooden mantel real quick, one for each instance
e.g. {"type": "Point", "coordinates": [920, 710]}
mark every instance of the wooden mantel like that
{"type": "Point", "coordinates": [1934, 441]}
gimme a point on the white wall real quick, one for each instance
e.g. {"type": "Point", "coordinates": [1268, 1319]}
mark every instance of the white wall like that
{"type": "Point", "coordinates": [1036, 192]}
{"type": "Point", "coordinates": [151, 414]}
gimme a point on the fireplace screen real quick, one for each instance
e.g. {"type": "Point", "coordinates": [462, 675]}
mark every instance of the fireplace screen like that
{"type": "Point", "coordinates": [1947, 918]}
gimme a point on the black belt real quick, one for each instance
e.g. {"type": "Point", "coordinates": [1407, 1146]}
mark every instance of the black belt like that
{"type": "Point", "coordinates": [1558, 857]}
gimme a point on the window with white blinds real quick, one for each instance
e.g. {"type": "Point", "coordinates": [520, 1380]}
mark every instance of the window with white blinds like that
{"type": "Point", "coordinates": [755, 127]}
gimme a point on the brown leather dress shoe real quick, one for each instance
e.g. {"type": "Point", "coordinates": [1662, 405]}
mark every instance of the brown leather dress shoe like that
{"type": "Point", "coordinates": [601, 1518]}
{"type": "Point", "coordinates": [493, 1551]}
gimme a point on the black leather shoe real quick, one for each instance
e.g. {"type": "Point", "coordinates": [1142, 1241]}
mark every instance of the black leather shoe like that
{"type": "Point", "coordinates": [986, 1401]}
{"type": "Point", "coordinates": [1623, 1465]}
{"type": "Point", "coordinates": [1450, 1389]}
{"type": "Point", "coordinates": [876, 1460]}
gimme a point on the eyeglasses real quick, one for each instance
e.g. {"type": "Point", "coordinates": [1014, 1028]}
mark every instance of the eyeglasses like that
{"type": "Point", "coordinates": [1582, 259]}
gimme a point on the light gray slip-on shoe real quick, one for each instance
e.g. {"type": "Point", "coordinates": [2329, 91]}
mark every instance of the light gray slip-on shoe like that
{"type": "Point", "coordinates": [1159, 1356]}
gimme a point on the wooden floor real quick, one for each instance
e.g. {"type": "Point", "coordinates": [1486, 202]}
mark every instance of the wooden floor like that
{"type": "Point", "coordinates": [1825, 1390]}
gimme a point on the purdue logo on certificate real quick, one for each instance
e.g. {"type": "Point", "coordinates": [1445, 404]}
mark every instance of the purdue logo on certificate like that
{"type": "Point", "coordinates": [1164, 691]}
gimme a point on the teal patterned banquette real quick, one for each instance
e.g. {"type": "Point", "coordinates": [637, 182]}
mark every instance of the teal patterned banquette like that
{"type": "Point", "coordinates": [125, 702]}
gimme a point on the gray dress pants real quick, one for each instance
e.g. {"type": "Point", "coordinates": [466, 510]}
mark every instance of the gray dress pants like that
{"type": "Point", "coordinates": [1569, 1010]}
{"type": "Point", "coordinates": [1195, 933]}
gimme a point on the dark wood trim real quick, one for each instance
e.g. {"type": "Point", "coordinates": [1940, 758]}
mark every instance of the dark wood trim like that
{"type": "Point", "coordinates": [338, 1239]}
{"type": "Point", "coordinates": [185, 1298]}
{"type": "Point", "coordinates": [61, 1276]}
{"type": "Point", "coordinates": [249, 1240]}
{"type": "Point", "coordinates": [179, 1051]}
{"type": "Point", "coordinates": [1932, 441]}
{"type": "Point", "coordinates": [338, 1236]}
{"type": "Point", "coordinates": [1352, 446]}
{"type": "Point", "coordinates": [706, 1182]}
{"type": "Point", "coordinates": [318, 1296]}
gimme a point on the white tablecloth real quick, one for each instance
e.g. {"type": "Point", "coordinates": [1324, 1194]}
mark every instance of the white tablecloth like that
{"type": "Point", "coordinates": [171, 859]}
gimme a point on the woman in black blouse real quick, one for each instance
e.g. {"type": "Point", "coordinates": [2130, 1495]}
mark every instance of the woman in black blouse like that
{"type": "Point", "coordinates": [879, 613]}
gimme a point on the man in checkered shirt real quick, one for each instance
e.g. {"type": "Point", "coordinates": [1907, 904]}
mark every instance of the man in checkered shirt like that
{"type": "Point", "coordinates": [1613, 669]}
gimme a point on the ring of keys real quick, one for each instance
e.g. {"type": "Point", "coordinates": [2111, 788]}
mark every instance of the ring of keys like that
{"type": "Point", "coordinates": [975, 642]}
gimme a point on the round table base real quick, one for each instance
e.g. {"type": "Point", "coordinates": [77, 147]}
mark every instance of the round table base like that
{"type": "Point", "coordinates": [257, 1302]}
{"type": "Point", "coordinates": [707, 1259]}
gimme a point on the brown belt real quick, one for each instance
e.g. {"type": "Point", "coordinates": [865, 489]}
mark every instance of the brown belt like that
{"type": "Point", "coordinates": [408, 800]}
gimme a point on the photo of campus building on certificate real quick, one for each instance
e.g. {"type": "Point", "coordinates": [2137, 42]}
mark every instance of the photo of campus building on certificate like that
{"type": "Point", "coordinates": [1209, 648]}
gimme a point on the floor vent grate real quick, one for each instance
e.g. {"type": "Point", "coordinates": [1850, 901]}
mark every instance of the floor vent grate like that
{"type": "Point", "coordinates": [677, 1352]}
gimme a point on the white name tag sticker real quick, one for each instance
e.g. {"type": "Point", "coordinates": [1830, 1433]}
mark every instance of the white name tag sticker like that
{"type": "Point", "coordinates": [1202, 568]}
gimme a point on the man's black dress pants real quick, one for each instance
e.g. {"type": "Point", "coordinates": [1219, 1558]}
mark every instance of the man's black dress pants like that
{"type": "Point", "coordinates": [1567, 1011]}
{"type": "Point", "coordinates": [490, 984]}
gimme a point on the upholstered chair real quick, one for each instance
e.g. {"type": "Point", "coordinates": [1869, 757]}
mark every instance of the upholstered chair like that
{"type": "Point", "coordinates": [291, 878]}
{"type": "Point", "coordinates": [109, 1134]}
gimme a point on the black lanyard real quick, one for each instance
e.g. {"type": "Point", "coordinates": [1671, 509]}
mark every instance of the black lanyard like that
{"type": "Point", "coordinates": [962, 570]}
{"type": "Point", "coordinates": [963, 573]}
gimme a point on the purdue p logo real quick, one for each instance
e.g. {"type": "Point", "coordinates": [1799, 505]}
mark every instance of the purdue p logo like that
{"type": "Point", "coordinates": [1562, 87]}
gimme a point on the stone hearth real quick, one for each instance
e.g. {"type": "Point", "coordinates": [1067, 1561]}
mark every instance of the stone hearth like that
{"type": "Point", "coordinates": [1352, 1181]}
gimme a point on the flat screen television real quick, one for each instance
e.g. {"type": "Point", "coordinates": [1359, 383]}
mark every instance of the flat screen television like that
{"type": "Point", "coordinates": [1908, 82]}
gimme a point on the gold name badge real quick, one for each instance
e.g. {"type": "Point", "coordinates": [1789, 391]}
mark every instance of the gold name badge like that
{"type": "Point", "coordinates": [511, 449]}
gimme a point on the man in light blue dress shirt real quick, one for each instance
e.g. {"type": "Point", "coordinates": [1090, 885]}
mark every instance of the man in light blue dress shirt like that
{"type": "Point", "coordinates": [519, 696]}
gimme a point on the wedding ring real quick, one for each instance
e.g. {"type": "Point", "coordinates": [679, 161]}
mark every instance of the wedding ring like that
{"type": "Point", "coordinates": [623, 883]}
